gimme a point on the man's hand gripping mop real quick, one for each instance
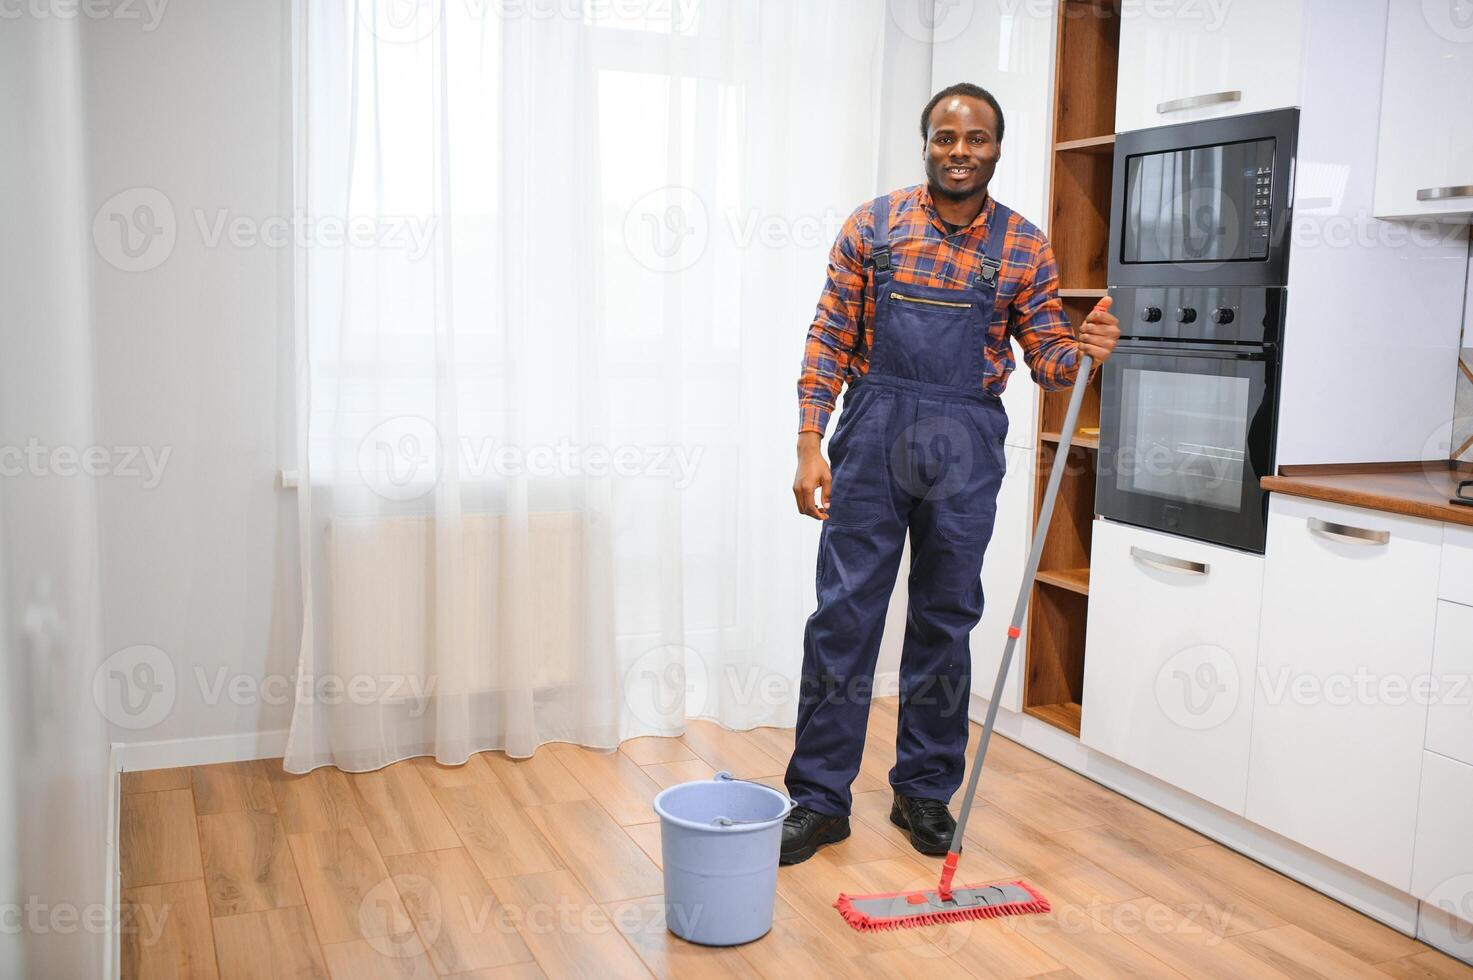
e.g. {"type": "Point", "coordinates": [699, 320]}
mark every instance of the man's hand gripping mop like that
{"type": "Point", "coordinates": [905, 910]}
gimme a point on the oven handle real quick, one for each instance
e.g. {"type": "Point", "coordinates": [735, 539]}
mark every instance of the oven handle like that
{"type": "Point", "coordinates": [1166, 563]}
{"type": "Point", "coordinates": [1257, 353]}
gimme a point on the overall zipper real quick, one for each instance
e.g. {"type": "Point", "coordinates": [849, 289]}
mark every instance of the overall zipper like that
{"type": "Point", "coordinates": [930, 302]}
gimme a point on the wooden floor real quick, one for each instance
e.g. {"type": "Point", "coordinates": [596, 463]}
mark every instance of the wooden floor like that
{"type": "Point", "coordinates": [550, 867]}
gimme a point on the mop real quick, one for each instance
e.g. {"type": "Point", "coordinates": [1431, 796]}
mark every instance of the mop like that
{"type": "Point", "coordinates": [907, 910]}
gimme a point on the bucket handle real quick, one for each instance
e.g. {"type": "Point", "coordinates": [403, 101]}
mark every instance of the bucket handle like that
{"type": "Point", "coordinates": [725, 776]}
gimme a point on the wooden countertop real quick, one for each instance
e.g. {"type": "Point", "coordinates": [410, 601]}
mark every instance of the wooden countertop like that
{"type": "Point", "coordinates": [1415, 489]}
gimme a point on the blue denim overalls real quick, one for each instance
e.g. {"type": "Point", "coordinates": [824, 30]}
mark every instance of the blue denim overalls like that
{"type": "Point", "coordinates": [918, 446]}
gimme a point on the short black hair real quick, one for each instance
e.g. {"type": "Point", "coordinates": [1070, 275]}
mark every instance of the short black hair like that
{"type": "Point", "coordinates": [960, 88]}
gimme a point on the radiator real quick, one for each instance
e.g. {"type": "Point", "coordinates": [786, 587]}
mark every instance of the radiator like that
{"type": "Point", "coordinates": [513, 617]}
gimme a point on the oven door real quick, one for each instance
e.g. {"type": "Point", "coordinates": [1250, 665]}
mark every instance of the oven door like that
{"type": "Point", "coordinates": [1186, 431]}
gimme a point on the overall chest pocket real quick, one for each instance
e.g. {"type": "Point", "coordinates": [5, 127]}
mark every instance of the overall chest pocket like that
{"type": "Point", "coordinates": [933, 336]}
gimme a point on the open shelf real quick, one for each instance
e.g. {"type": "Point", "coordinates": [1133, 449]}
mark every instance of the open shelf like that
{"type": "Point", "coordinates": [1089, 144]}
{"type": "Point", "coordinates": [1073, 579]}
{"type": "Point", "coordinates": [1055, 405]}
{"type": "Point", "coordinates": [1088, 55]}
{"type": "Point", "coordinates": [1066, 716]}
{"type": "Point", "coordinates": [1083, 158]}
{"type": "Point", "coordinates": [1055, 673]}
{"type": "Point", "coordinates": [1089, 440]}
{"type": "Point", "coordinates": [1080, 218]}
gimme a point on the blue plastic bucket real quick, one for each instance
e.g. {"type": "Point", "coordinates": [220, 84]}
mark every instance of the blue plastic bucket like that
{"type": "Point", "coordinates": [720, 840]}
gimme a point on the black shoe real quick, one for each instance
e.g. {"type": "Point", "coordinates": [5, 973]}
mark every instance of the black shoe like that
{"type": "Point", "coordinates": [805, 831]}
{"type": "Point", "coordinates": [928, 821]}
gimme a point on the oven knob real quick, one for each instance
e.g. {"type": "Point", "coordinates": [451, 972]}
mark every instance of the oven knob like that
{"type": "Point", "coordinates": [1185, 314]}
{"type": "Point", "coordinates": [1222, 315]}
{"type": "Point", "coordinates": [1151, 314]}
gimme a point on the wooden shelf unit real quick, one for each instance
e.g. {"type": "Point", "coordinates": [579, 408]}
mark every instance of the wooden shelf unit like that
{"type": "Point", "coordinates": [1079, 228]}
{"type": "Point", "coordinates": [1090, 144]}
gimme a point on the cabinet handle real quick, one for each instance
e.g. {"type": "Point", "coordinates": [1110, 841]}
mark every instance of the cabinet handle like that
{"type": "Point", "coordinates": [1445, 193]}
{"type": "Point", "coordinates": [1345, 532]}
{"type": "Point", "coordinates": [1169, 564]}
{"type": "Point", "coordinates": [1194, 101]}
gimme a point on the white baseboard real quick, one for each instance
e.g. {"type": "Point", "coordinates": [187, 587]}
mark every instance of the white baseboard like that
{"type": "Point", "coordinates": [173, 753]}
{"type": "Point", "coordinates": [887, 684]}
{"type": "Point", "coordinates": [1373, 898]}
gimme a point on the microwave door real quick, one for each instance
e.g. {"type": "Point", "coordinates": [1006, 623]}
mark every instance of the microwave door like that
{"type": "Point", "coordinates": [1186, 436]}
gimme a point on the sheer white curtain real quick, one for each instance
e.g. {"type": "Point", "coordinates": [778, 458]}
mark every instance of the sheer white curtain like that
{"type": "Point", "coordinates": [560, 261]}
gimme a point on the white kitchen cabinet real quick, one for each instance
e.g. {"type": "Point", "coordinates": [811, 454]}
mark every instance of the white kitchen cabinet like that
{"type": "Point", "coordinates": [1349, 604]}
{"type": "Point", "coordinates": [1002, 573]}
{"type": "Point", "coordinates": [1443, 875]}
{"type": "Point", "coordinates": [1456, 582]}
{"type": "Point", "coordinates": [1450, 716]}
{"type": "Point", "coordinates": [1171, 650]}
{"type": "Point", "coordinates": [1424, 164]}
{"type": "Point", "coordinates": [1183, 60]}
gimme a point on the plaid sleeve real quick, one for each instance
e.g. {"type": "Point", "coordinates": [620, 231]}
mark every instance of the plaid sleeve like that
{"type": "Point", "coordinates": [831, 336]}
{"type": "Point", "coordinates": [1049, 345]}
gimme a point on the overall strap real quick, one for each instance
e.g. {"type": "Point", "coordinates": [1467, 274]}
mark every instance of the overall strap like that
{"type": "Point", "coordinates": [992, 247]}
{"type": "Point", "coordinates": [879, 264]}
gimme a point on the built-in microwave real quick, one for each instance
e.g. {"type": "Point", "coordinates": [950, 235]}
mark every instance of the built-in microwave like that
{"type": "Point", "coordinates": [1204, 203]}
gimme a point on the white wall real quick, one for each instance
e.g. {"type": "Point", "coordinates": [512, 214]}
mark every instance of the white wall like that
{"type": "Point", "coordinates": [54, 814]}
{"type": "Point", "coordinates": [192, 353]}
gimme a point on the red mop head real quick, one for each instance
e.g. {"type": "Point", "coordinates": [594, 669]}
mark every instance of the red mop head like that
{"type": "Point", "coordinates": [909, 910]}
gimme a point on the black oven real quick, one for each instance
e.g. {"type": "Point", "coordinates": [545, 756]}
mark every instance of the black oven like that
{"type": "Point", "coordinates": [1204, 203]}
{"type": "Point", "coordinates": [1188, 411]}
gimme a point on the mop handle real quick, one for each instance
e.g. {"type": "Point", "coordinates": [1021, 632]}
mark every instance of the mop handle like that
{"type": "Point", "coordinates": [1040, 532]}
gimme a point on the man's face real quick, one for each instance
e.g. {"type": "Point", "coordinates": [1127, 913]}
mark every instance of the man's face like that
{"type": "Point", "coordinates": [962, 147]}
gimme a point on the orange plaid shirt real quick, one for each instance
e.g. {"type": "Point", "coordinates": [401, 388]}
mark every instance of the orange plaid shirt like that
{"type": "Point", "coordinates": [923, 252]}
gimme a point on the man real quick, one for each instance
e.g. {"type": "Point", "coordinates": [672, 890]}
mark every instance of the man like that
{"type": "Point", "coordinates": [939, 277]}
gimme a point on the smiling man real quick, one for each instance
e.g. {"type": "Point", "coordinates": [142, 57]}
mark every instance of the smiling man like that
{"type": "Point", "coordinates": [926, 288]}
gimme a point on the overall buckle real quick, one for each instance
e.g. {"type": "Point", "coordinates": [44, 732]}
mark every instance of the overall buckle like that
{"type": "Point", "coordinates": [990, 267]}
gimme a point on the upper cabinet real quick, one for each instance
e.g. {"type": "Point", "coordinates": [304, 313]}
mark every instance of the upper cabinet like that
{"type": "Point", "coordinates": [1425, 160]}
{"type": "Point", "coordinates": [1182, 60]}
